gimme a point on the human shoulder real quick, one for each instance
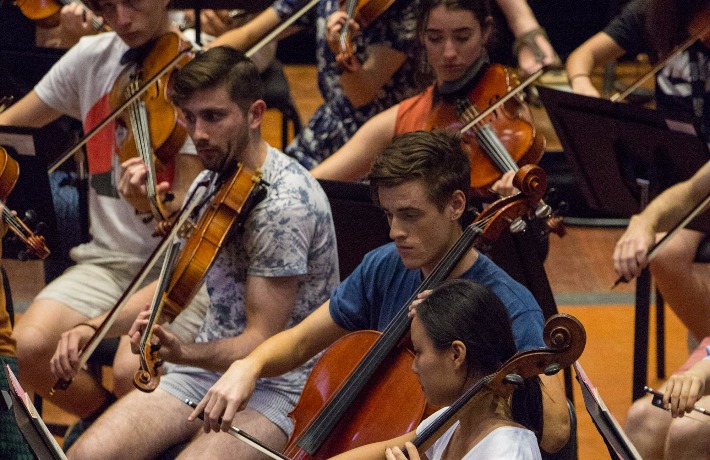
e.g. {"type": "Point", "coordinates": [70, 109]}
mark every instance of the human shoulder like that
{"type": "Point", "coordinates": [506, 442]}
{"type": "Point", "coordinates": [628, 29]}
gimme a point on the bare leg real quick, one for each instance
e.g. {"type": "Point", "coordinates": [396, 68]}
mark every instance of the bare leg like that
{"type": "Point", "coordinates": [647, 427]}
{"type": "Point", "coordinates": [689, 436]}
{"type": "Point", "coordinates": [37, 334]}
{"type": "Point", "coordinates": [138, 426]}
{"type": "Point", "coordinates": [125, 365]}
{"type": "Point", "coordinates": [222, 445]}
{"type": "Point", "coordinates": [685, 285]}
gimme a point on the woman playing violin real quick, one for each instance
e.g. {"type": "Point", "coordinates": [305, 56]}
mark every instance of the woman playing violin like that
{"type": "Point", "coordinates": [386, 63]}
{"type": "Point", "coordinates": [78, 85]}
{"type": "Point", "coordinates": [460, 333]}
{"type": "Point", "coordinates": [453, 34]}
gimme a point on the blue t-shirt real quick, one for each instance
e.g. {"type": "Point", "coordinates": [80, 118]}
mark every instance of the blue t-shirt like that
{"type": "Point", "coordinates": [378, 288]}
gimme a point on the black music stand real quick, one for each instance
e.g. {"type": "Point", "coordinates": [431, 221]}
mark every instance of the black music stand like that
{"type": "Point", "coordinates": [623, 156]}
{"type": "Point", "coordinates": [31, 425]}
{"type": "Point", "coordinates": [618, 444]}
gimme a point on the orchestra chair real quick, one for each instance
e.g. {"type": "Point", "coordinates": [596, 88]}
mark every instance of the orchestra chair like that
{"type": "Point", "coordinates": [277, 96]}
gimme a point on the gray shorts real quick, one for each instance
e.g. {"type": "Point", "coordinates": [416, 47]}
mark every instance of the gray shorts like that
{"type": "Point", "coordinates": [272, 401]}
{"type": "Point", "coordinates": [100, 277]}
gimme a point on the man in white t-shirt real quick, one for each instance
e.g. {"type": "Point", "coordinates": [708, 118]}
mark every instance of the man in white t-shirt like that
{"type": "Point", "coordinates": [121, 237]}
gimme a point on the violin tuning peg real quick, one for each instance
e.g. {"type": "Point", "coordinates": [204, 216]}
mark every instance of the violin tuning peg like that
{"type": "Point", "coordinates": [30, 216]}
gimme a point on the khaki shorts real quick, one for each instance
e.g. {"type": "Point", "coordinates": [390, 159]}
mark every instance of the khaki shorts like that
{"type": "Point", "coordinates": [100, 277]}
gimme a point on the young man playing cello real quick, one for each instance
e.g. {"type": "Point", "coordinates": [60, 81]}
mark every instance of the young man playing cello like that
{"type": "Point", "coordinates": [420, 181]}
{"type": "Point", "coordinates": [79, 85]}
{"type": "Point", "coordinates": [264, 279]}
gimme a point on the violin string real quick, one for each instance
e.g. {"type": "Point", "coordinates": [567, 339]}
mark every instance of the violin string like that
{"type": "Point", "coordinates": [491, 142]}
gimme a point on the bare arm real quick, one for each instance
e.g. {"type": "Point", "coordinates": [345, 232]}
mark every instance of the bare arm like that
{"type": "Point", "coordinates": [279, 354]}
{"type": "Point", "coordinates": [353, 160]}
{"type": "Point", "coordinates": [243, 38]}
{"type": "Point", "coordinates": [521, 21]}
{"type": "Point", "coordinates": [376, 450]}
{"type": "Point", "coordinates": [556, 423]}
{"type": "Point", "coordinates": [599, 50]}
{"type": "Point", "coordinates": [661, 214]}
{"type": "Point", "coordinates": [29, 111]}
{"type": "Point", "coordinates": [269, 303]}
{"type": "Point", "coordinates": [65, 361]}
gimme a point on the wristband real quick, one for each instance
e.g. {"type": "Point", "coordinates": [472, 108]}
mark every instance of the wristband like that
{"type": "Point", "coordinates": [572, 77]}
{"type": "Point", "coordinates": [90, 325]}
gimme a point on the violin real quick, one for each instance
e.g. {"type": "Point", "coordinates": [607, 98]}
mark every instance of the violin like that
{"type": "Point", "coordinates": [46, 12]}
{"type": "Point", "coordinates": [180, 224]}
{"type": "Point", "coordinates": [502, 140]}
{"type": "Point", "coordinates": [9, 173]}
{"type": "Point", "coordinates": [325, 419]}
{"type": "Point", "coordinates": [228, 209]}
{"type": "Point", "coordinates": [364, 12]}
{"type": "Point", "coordinates": [565, 339]}
{"type": "Point", "coordinates": [154, 127]}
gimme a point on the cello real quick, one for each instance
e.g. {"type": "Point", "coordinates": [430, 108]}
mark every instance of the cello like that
{"type": "Point", "coordinates": [326, 421]}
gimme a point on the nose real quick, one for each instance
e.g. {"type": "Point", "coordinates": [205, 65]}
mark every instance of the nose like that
{"type": "Point", "coordinates": [197, 131]}
{"type": "Point", "coordinates": [397, 230]}
{"type": "Point", "coordinates": [122, 15]}
{"type": "Point", "coordinates": [449, 49]}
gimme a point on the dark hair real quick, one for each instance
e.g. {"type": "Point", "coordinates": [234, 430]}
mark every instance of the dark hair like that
{"type": "Point", "coordinates": [436, 157]}
{"type": "Point", "coordinates": [218, 66]}
{"type": "Point", "coordinates": [464, 310]}
{"type": "Point", "coordinates": [667, 22]}
{"type": "Point", "coordinates": [481, 10]}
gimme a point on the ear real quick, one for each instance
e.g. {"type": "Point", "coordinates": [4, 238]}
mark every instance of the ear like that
{"type": "Point", "coordinates": [256, 113]}
{"type": "Point", "coordinates": [458, 354]}
{"type": "Point", "coordinates": [487, 28]}
{"type": "Point", "coordinates": [457, 205]}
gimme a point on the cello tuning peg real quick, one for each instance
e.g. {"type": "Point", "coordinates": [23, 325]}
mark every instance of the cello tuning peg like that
{"type": "Point", "coordinates": [518, 225]}
{"type": "Point", "coordinates": [563, 207]}
{"type": "Point", "coordinates": [514, 379]}
{"type": "Point", "coordinates": [23, 256]}
{"type": "Point", "coordinates": [543, 211]}
{"type": "Point", "coordinates": [40, 228]}
{"type": "Point", "coordinates": [552, 369]}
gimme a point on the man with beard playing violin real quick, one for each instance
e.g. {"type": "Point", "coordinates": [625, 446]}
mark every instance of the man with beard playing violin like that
{"type": "Point", "coordinates": [79, 86]}
{"type": "Point", "coordinates": [267, 276]}
{"type": "Point", "coordinates": [420, 181]}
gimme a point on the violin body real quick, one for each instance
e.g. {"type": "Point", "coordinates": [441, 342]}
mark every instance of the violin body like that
{"type": "Point", "coordinates": [9, 173]}
{"type": "Point", "coordinates": [165, 127]}
{"type": "Point", "coordinates": [364, 12]}
{"type": "Point", "coordinates": [511, 124]}
{"type": "Point", "coordinates": [44, 12]}
{"type": "Point", "coordinates": [394, 385]}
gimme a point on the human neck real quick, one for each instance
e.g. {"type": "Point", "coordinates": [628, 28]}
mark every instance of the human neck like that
{"type": "Point", "coordinates": [485, 412]}
{"type": "Point", "coordinates": [466, 262]}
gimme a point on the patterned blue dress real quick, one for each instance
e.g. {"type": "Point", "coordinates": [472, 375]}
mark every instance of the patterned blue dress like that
{"type": "Point", "coordinates": [337, 119]}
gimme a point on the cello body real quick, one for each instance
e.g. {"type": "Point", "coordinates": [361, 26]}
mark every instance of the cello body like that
{"type": "Point", "coordinates": [392, 402]}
